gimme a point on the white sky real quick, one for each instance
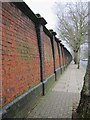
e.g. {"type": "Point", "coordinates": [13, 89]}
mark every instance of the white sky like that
{"type": "Point", "coordinates": [46, 8]}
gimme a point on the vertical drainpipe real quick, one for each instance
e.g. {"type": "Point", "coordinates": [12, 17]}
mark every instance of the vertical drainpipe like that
{"type": "Point", "coordinates": [53, 49]}
{"type": "Point", "coordinates": [62, 55]}
{"type": "Point", "coordinates": [66, 57]}
{"type": "Point", "coordinates": [41, 22]}
{"type": "Point", "coordinates": [59, 53]}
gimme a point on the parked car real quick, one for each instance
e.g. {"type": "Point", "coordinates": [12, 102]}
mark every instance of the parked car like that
{"type": "Point", "coordinates": [85, 59]}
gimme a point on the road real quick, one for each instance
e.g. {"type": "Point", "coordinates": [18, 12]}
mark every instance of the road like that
{"type": "Point", "coordinates": [83, 63]}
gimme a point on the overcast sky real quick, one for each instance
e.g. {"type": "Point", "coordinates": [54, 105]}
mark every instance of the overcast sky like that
{"type": "Point", "coordinates": [46, 8]}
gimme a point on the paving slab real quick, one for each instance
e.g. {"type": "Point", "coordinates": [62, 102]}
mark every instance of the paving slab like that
{"type": "Point", "coordinates": [64, 95]}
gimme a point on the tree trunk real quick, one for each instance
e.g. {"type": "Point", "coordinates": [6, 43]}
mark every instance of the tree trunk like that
{"type": "Point", "coordinates": [77, 58]}
{"type": "Point", "coordinates": [84, 105]}
{"type": "Point", "coordinates": [78, 65]}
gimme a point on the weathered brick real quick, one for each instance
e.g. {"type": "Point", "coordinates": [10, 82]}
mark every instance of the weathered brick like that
{"type": "Point", "coordinates": [20, 53]}
{"type": "Point", "coordinates": [20, 64]}
{"type": "Point", "coordinates": [48, 56]}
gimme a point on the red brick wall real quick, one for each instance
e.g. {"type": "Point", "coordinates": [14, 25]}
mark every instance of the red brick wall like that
{"type": "Point", "coordinates": [61, 62]}
{"type": "Point", "coordinates": [20, 54]}
{"type": "Point", "coordinates": [64, 57]}
{"type": "Point", "coordinates": [0, 53]}
{"type": "Point", "coordinates": [48, 56]}
{"type": "Point", "coordinates": [20, 61]}
{"type": "Point", "coordinates": [56, 55]}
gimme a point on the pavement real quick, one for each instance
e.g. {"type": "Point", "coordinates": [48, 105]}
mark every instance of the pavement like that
{"type": "Point", "coordinates": [63, 97]}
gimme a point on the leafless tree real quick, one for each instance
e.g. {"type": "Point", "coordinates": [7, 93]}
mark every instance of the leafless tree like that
{"type": "Point", "coordinates": [83, 109]}
{"type": "Point", "coordinates": [73, 25]}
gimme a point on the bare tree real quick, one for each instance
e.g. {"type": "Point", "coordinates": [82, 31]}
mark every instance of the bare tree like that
{"type": "Point", "coordinates": [83, 109]}
{"type": "Point", "coordinates": [72, 26]}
